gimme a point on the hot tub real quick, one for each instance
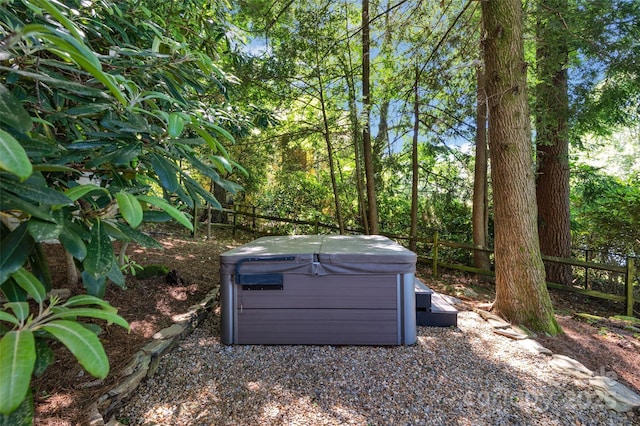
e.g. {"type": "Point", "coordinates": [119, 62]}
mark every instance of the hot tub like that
{"type": "Point", "coordinates": [324, 290]}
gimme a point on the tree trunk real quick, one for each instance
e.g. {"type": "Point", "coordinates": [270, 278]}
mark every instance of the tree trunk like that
{"type": "Point", "coordinates": [415, 166]}
{"type": "Point", "coordinates": [72, 272]}
{"type": "Point", "coordinates": [327, 138]}
{"type": "Point", "coordinates": [521, 293]}
{"type": "Point", "coordinates": [552, 139]}
{"type": "Point", "coordinates": [381, 141]}
{"type": "Point", "coordinates": [372, 206]}
{"type": "Point", "coordinates": [480, 212]}
{"type": "Point", "coordinates": [356, 136]}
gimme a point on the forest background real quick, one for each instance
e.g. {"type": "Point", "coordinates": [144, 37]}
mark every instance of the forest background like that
{"type": "Point", "coordinates": [364, 114]}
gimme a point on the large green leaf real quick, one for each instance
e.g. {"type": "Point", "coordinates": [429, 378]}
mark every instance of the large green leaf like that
{"type": "Point", "coordinates": [30, 284]}
{"type": "Point", "coordinates": [206, 195]}
{"type": "Point", "coordinates": [73, 243]}
{"type": "Point", "coordinates": [55, 11]}
{"type": "Point", "coordinates": [12, 113]}
{"type": "Point", "coordinates": [116, 276]}
{"type": "Point", "coordinates": [166, 172]}
{"type": "Point", "coordinates": [35, 189]}
{"type": "Point", "coordinates": [200, 166]}
{"type": "Point", "coordinates": [12, 291]}
{"type": "Point", "coordinates": [140, 237]}
{"type": "Point", "coordinates": [69, 48]}
{"type": "Point", "coordinates": [9, 201]}
{"type": "Point", "coordinates": [175, 125]}
{"type": "Point", "coordinates": [39, 266]}
{"type": "Point", "coordinates": [71, 86]}
{"type": "Point", "coordinates": [95, 286]}
{"type": "Point", "coordinates": [44, 356]}
{"type": "Point", "coordinates": [222, 163]}
{"type": "Point", "coordinates": [155, 216]}
{"type": "Point", "coordinates": [119, 157]}
{"type": "Point", "coordinates": [88, 300]}
{"type": "Point", "coordinates": [80, 191]}
{"type": "Point", "coordinates": [172, 211]}
{"type": "Point", "coordinates": [130, 208]}
{"type": "Point", "coordinates": [20, 309]}
{"type": "Point", "coordinates": [13, 158]}
{"type": "Point", "coordinates": [88, 110]}
{"type": "Point", "coordinates": [83, 344]}
{"type": "Point", "coordinates": [7, 317]}
{"type": "Point", "coordinates": [17, 359]}
{"type": "Point", "coordinates": [14, 251]}
{"type": "Point", "coordinates": [109, 316]}
{"type": "Point", "coordinates": [210, 140]}
{"type": "Point", "coordinates": [99, 252]}
{"type": "Point", "coordinates": [42, 230]}
{"type": "Point", "coordinates": [21, 416]}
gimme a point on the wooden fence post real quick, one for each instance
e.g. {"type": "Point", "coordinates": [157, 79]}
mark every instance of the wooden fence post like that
{"type": "Point", "coordinates": [235, 220]}
{"type": "Point", "coordinates": [316, 225]}
{"type": "Point", "coordinates": [631, 275]}
{"type": "Point", "coordinates": [587, 283]}
{"type": "Point", "coordinates": [208, 221]}
{"type": "Point", "coordinates": [435, 255]}
{"type": "Point", "coordinates": [253, 217]}
{"type": "Point", "coordinates": [195, 221]}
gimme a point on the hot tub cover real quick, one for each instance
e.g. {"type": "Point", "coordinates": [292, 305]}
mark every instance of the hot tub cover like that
{"type": "Point", "coordinates": [320, 255]}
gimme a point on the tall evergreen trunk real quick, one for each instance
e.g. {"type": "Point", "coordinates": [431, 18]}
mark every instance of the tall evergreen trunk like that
{"type": "Point", "coordinates": [521, 292]}
{"type": "Point", "coordinates": [367, 152]}
{"type": "Point", "coordinates": [552, 139]}
{"type": "Point", "coordinates": [415, 166]}
{"type": "Point", "coordinates": [480, 211]}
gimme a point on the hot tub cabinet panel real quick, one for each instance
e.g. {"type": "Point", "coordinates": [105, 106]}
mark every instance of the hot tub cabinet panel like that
{"type": "Point", "coordinates": [318, 290]}
{"type": "Point", "coordinates": [318, 327]}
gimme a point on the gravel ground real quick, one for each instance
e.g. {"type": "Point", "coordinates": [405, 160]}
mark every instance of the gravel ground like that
{"type": "Point", "coordinates": [463, 376]}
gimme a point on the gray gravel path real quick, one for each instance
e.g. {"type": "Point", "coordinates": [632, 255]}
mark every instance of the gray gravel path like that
{"type": "Point", "coordinates": [464, 376]}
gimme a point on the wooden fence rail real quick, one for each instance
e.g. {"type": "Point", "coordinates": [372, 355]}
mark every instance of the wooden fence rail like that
{"type": "Point", "coordinates": [629, 270]}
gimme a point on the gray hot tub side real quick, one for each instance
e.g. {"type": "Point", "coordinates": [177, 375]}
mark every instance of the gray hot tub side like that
{"type": "Point", "coordinates": [309, 289]}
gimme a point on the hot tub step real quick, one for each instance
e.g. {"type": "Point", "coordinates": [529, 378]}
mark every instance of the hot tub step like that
{"type": "Point", "coordinates": [432, 309]}
{"type": "Point", "coordinates": [423, 295]}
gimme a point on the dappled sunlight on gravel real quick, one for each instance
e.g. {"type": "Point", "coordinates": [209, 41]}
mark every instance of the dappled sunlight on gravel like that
{"type": "Point", "coordinates": [466, 376]}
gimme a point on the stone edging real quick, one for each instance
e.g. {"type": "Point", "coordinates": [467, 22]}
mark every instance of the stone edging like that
{"type": "Point", "coordinates": [144, 363]}
{"type": "Point", "coordinates": [614, 394]}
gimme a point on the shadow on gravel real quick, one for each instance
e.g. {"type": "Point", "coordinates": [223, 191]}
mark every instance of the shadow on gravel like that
{"type": "Point", "coordinates": [450, 376]}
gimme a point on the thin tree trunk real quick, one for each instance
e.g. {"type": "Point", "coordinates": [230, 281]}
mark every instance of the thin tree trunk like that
{"type": "Point", "coordinates": [415, 166]}
{"type": "Point", "coordinates": [381, 141]}
{"type": "Point", "coordinates": [372, 206]}
{"type": "Point", "coordinates": [327, 138]}
{"type": "Point", "coordinates": [356, 133]}
{"type": "Point", "coordinates": [480, 212]}
{"type": "Point", "coordinates": [521, 292]}
{"type": "Point", "coordinates": [552, 139]}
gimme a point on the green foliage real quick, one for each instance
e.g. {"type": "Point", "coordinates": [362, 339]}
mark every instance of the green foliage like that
{"type": "Point", "coordinates": [297, 195]}
{"type": "Point", "coordinates": [24, 330]}
{"type": "Point", "coordinates": [106, 121]}
{"type": "Point", "coordinates": [605, 69]}
{"type": "Point", "coordinates": [606, 211]}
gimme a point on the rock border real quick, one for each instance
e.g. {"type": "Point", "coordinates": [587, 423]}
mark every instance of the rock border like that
{"type": "Point", "coordinates": [614, 394]}
{"type": "Point", "coordinates": [144, 363]}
